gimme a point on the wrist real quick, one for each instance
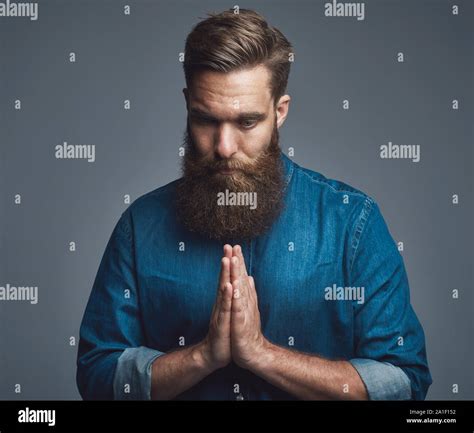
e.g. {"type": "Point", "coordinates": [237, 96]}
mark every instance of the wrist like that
{"type": "Point", "coordinates": [262, 357]}
{"type": "Point", "coordinates": [202, 357]}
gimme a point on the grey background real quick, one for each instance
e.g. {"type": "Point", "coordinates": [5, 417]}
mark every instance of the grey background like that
{"type": "Point", "coordinates": [136, 57]}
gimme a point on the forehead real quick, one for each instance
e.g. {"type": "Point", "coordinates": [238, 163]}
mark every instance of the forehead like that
{"type": "Point", "coordinates": [248, 89]}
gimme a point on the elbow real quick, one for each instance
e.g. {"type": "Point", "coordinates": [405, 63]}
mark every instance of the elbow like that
{"type": "Point", "coordinates": [420, 381]}
{"type": "Point", "coordinates": [94, 377]}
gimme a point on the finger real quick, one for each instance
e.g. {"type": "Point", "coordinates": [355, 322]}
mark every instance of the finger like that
{"type": "Point", "coordinates": [237, 251]}
{"type": "Point", "coordinates": [234, 268]}
{"type": "Point", "coordinates": [224, 277]}
{"type": "Point", "coordinates": [239, 301]}
{"type": "Point", "coordinates": [225, 307]}
{"type": "Point", "coordinates": [236, 274]}
{"type": "Point", "coordinates": [244, 288]}
{"type": "Point", "coordinates": [228, 251]}
{"type": "Point", "coordinates": [252, 290]}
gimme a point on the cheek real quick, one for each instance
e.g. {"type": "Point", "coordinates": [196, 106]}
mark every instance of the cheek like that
{"type": "Point", "coordinates": [201, 139]}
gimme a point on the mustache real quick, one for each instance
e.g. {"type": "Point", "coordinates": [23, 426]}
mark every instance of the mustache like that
{"type": "Point", "coordinates": [228, 164]}
{"type": "Point", "coordinates": [212, 165]}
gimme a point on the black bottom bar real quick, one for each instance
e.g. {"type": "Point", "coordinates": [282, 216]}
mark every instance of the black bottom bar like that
{"type": "Point", "coordinates": [240, 416]}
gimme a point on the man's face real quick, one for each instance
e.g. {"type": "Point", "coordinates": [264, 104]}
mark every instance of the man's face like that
{"type": "Point", "coordinates": [231, 145]}
{"type": "Point", "coordinates": [231, 116]}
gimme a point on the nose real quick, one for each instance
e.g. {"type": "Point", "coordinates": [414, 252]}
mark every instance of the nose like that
{"type": "Point", "coordinates": [225, 141]}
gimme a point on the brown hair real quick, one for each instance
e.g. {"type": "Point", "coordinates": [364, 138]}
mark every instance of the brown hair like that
{"type": "Point", "coordinates": [230, 41]}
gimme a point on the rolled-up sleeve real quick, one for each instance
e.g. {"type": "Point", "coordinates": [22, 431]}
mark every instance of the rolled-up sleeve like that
{"type": "Point", "coordinates": [113, 361]}
{"type": "Point", "coordinates": [386, 328]}
{"type": "Point", "coordinates": [383, 380]}
{"type": "Point", "coordinates": [132, 380]}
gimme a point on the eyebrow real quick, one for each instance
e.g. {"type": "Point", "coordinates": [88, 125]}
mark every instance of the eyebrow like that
{"type": "Point", "coordinates": [253, 115]}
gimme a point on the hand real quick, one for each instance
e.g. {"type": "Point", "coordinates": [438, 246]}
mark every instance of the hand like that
{"type": "Point", "coordinates": [216, 349]}
{"type": "Point", "coordinates": [247, 340]}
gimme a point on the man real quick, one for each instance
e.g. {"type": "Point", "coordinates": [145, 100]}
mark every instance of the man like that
{"type": "Point", "coordinates": [312, 298]}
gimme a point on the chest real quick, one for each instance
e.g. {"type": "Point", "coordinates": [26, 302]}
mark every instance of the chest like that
{"type": "Point", "coordinates": [178, 291]}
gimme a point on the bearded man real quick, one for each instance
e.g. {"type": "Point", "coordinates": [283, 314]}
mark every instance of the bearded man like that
{"type": "Point", "coordinates": [303, 295]}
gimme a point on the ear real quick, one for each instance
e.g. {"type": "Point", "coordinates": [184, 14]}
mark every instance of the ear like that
{"type": "Point", "coordinates": [282, 109]}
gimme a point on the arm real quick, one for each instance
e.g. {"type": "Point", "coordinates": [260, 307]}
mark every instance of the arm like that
{"type": "Point", "coordinates": [389, 342]}
{"type": "Point", "coordinates": [308, 377]}
{"type": "Point", "coordinates": [178, 371]}
{"type": "Point", "coordinates": [113, 361]}
{"type": "Point", "coordinates": [111, 338]}
{"type": "Point", "coordinates": [305, 376]}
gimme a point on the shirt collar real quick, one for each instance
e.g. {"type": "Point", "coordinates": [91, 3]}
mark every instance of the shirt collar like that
{"type": "Point", "coordinates": [288, 167]}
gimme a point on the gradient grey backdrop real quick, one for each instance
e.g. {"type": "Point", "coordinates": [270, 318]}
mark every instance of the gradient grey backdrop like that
{"type": "Point", "coordinates": [136, 57]}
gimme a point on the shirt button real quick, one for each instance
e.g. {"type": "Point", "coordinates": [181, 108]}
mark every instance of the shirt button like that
{"type": "Point", "coordinates": [240, 397]}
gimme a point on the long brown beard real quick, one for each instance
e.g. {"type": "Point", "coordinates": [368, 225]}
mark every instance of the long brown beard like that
{"type": "Point", "coordinates": [197, 193]}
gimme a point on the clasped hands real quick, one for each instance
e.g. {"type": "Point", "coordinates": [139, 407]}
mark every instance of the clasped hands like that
{"type": "Point", "coordinates": [234, 329]}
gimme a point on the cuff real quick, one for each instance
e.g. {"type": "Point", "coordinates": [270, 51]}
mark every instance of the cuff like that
{"type": "Point", "coordinates": [383, 380]}
{"type": "Point", "coordinates": [132, 378]}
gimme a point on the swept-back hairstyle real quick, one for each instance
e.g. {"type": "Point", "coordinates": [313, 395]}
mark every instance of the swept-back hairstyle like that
{"type": "Point", "coordinates": [233, 40]}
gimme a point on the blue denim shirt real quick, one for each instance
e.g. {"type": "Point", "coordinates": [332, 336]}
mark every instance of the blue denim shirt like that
{"type": "Point", "coordinates": [156, 286]}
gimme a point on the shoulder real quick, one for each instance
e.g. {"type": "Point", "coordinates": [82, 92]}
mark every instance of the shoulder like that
{"type": "Point", "coordinates": [336, 202]}
{"type": "Point", "coordinates": [333, 194]}
{"type": "Point", "coordinates": [152, 205]}
{"type": "Point", "coordinates": [324, 184]}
